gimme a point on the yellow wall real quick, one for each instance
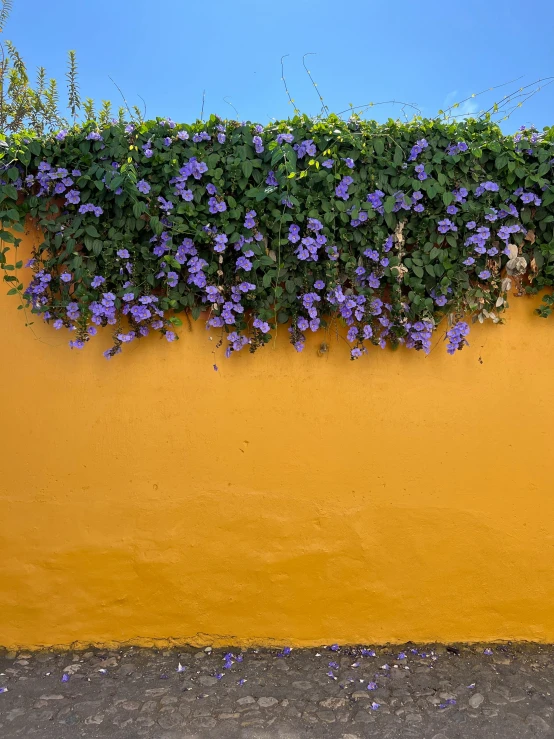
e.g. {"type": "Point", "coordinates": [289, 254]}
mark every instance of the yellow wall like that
{"type": "Point", "coordinates": [288, 498]}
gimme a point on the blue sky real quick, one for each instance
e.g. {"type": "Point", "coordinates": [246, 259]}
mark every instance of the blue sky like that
{"type": "Point", "coordinates": [429, 52]}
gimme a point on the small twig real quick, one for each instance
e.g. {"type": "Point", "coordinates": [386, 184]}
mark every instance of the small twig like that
{"type": "Point", "coordinates": [324, 108]}
{"type": "Point", "coordinates": [232, 106]}
{"type": "Point", "coordinates": [519, 93]}
{"type": "Point", "coordinates": [144, 101]}
{"type": "Point", "coordinates": [122, 96]}
{"type": "Point", "coordinates": [385, 102]}
{"type": "Point", "coordinates": [470, 97]}
{"type": "Point", "coordinates": [291, 101]}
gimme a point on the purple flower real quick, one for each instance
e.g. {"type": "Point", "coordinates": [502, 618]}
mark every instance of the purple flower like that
{"type": "Point", "coordinates": [417, 148]}
{"type": "Point", "coordinates": [328, 163]}
{"type": "Point", "coordinates": [166, 205]}
{"type": "Point", "coordinates": [94, 136]}
{"type": "Point", "coordinates": [484, 274]}
{"type": "Point", "coordinates": [271, 179]}
{"type": "Point", "coordinates": [143, 187]}
{"type": "Point", "coordinates": [73, 197]}
{"type": "Point", "coordinates": [371, 685]}
{"type": "Point", "coordinates": [258, 144]}
{"type": "Point", "coordinates": [456, 337]}
{"type": "Point", "coordinates": [123, 253]}
{"type": "Point", "coordinates": [262, 326]}
{"type": "Point", "coordinates": [170, 335]}
{"type": "Point", "coordinates": [285, 137]}
{"type": "Point", "coordinates": [167, 141]}
{"type": "Point", "coordinates": [65, 277]}
{"type": "Point", "coordinates": [446, 225]}
{"type": "Point", "coordinates": [244, 263]}
{"type": "Point", "coordinates": [97, 281]}
{"type": "Point", "coordinates": [61, 135]}
{"type": "Point", "coordinates": [349, 162]}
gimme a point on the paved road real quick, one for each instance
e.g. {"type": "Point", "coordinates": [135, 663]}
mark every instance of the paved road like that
{"type": "Point", "coordinates": [409, 692]}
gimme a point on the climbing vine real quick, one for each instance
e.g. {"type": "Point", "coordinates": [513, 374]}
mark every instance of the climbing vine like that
{"type": "Point", "coordinates": [396, 229]}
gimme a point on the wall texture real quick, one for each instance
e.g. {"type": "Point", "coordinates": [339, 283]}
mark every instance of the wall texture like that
{"type": "Point", "coordinates": [286, 498]}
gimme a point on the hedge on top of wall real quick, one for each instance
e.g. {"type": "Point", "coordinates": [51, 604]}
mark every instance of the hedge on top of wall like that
{"type": "Point", "coordinates": [397, 230]}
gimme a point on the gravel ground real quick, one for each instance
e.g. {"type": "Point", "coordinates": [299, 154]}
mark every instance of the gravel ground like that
{"type": "Point", "coordinates": [401, 692]}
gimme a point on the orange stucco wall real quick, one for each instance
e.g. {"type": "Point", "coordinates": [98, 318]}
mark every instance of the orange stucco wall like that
{"type": "Point", "coordinates": [286, 498]}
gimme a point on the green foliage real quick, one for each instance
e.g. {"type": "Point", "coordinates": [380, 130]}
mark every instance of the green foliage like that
{"type": "Point", "coordinates": [36, 108]}
{"type": "Point", "coordinates": [368, 250]}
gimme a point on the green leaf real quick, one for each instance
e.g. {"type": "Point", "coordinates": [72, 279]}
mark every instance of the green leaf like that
{"type": "Point", "coordinates": [247, 168]}
{"type": "Point", "coordinates": [398, 156]}
{"type": "Point", "coordinates": [379, 146]}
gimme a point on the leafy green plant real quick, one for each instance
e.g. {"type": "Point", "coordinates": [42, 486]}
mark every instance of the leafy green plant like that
{"type": "Point", "coordinates": [389, 228]}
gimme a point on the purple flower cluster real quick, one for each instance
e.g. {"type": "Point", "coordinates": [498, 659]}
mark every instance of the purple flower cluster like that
{"type": "Point", "coordinates": [375, 199]}
{"type": "Point", "coordinates": [486, 187]}
{"type": "Point", "coordinates": [236, 342]}
{"type": "Point", "coordinates": [193, 168]}
{"type": "Point", "coordinates": [417, 148]}
{"type": "Point", "coordinates": [527, 198]}
{"type": "Point", "coordinates": [446, 225]}
{"type": "Point", "coordinates": [217, 205]}
{"type": "Point", "coordinates": [307, 249]}
{"type": "Point", "coordinates": [341, 190]}
{"type": "Point", "coordinates": [456, 337]}
{"type": "Point", "coordinates": [287, 138]}
{"type": "Point", "coordinates": [202, 136]}
{"type": "Point", "coordinates": [418, 336]}
{"type": "Point", "coordinates": [458, 148]}
{"type": "Point", "coordinates": [306, 147]}
{"type": "Point", "coordinates": [90, 208]}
